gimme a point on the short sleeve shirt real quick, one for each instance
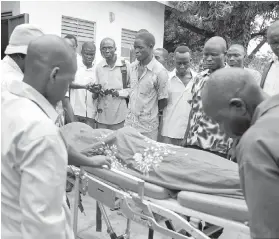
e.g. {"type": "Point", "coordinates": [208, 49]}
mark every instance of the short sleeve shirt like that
{"type": "Point", "coordinates": [145, 93]}
{"type": "Point", "coordinates": [204, 132]}
{"type": "Point", "coordinates": [81, 99]}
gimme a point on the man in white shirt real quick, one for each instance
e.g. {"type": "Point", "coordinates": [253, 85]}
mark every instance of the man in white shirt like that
{"type": "Point", "coordinates": [270, 81]}
{"type": "Point", "coordinates": [235, 58]}
{"type": "Point", "coordinates": [13, 68]}
{"type": "Point", "coordinates": [80, 96]}
{"type": "Point", "coordinates": [176, 114]}
{"type": "Point", "coordinates": [111, 108]}
{"type": "Point", "coordinates": [34, 155]}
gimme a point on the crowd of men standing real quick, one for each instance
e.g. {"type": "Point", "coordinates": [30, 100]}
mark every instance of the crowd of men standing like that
{"type": "Point", "coordinates": [41, 71]}
{"type": "Point", "coordinates": [164, 106]}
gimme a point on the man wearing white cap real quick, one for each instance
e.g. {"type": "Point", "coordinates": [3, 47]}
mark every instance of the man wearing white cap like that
{"type": "Point", "coordinates": [34, 156]}
{"type": "Point", "coordinates": [13, 62]}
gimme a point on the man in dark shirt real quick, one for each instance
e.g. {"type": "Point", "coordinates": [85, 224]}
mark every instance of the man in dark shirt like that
{"type": "Point", "coordinates": [202, 132]}
{"type": "Point", "coordinates": [233, 98]}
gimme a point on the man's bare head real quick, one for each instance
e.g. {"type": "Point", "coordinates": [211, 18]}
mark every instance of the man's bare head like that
{"type": "Point", "coordinates": [182, 57]}
{"type": "Point", "coordinates": [230, 97]}
{"type": "Point", "coordinates": [273, 37]}
{"type": "Point", "coordinates": [236, 55]}
{"type": "Point", "coordinates": [161, 55]}
{"type": "Point", "coordinates": [50, 67]}
{"type": "Point", "coordinates": [214, 53]}
{"type": "Point", "coordinates": [88, 51]}
{"type": "Point", "coordinates": [144, 45]}
{"type": "Point", "coordinates": [108, 48]}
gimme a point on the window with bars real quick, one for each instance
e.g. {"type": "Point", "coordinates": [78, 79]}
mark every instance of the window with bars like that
{"type": "Point", "coordinates": [6, 14]}
{"type": "Point", "coordinates": [82, 29]}
{"type": "Point", "coordinates": [127, 43]}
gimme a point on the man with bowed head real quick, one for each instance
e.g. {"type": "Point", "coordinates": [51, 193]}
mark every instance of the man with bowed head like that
{"type": "Point", "coordinates": [234, 100]}
{"type": "Point", "coordinates": [34, 155]}
{"type": "Point", "coordinates": [176, 114]}
{"type": "Point", "coordinates": [80, 95]}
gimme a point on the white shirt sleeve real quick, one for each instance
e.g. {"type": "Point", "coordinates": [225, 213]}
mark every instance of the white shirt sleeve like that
{"type": "Point", "coordinates": [42, 190]}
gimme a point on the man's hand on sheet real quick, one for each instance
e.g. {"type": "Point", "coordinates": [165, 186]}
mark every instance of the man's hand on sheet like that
{"type": "Point", "coordinates": [99, 161]}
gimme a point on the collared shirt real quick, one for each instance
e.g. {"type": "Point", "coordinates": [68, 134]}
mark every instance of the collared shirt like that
{"type": "Point", "coordinates": [257, 75]}
{"type": "Point", "coordinates": [11, 71]}
{"type": "Point", "coordinates": [145, 93]}
{"type": "Point", "coordinates": [176, 114]}
{"type": "Point", "coordinates": [271, 85]}
{"type": "Point", "coordinates": [257, 155]}
{"type": "Point", "coordinates": [114, 109]}
{"type": "Point", "coordinates": [34, 164]}
{"type": "Point", "coordinates": [81, 99]}
{"type": "Point", "coordinates": [203, 131]}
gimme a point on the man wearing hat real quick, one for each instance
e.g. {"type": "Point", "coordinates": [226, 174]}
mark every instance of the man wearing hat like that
{"type": "Point", "coordinates": [13, 69]}
{"type": "Point", "coordinates": [13, 62]}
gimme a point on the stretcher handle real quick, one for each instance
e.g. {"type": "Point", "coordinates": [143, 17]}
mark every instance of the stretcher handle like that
{"type": "Point", "coordinates": [127, 175]}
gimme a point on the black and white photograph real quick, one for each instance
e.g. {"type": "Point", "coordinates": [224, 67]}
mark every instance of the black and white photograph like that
{"type": "Point", "coordinates": [139, 119]}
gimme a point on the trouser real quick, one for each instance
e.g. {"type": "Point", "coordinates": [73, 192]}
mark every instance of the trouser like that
{"type": "Point", "coordinates": [152, 135]}
{"type": "Point", "coordinates": [110, 126]}
{"type": "Point", "coordinates": [168, 140]}
{"type": "Point", "coordinates": [207, 150]}
{"type": "Point", "coordinates": [86, 120]}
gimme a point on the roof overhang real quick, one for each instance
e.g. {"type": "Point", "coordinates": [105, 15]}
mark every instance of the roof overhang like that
{"type": "Point", "coordinates": [166, 3]}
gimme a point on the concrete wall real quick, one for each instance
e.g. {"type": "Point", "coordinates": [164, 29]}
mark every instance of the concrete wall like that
{"type": "Point", "coordinates": [129, 15]}
{"type": "Point", "coordinates": [11, 6]}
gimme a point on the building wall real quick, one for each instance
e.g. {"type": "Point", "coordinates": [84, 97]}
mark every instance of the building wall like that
{"type": "Point", "coordinates": [10, 6]}
{"type": "Point", "coordinates": [129, 15]}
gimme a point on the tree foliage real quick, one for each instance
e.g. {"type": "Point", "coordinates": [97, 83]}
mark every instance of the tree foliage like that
{"type": "Point", "coordinates": [238, 22]}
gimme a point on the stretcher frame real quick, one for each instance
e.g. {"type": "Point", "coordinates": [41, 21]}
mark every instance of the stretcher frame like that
{"type": "Point", "coordinates": [169, 209]}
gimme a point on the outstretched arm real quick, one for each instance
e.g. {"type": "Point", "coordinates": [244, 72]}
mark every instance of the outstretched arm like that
{"type": "Point", "coordinates": [77, 159]}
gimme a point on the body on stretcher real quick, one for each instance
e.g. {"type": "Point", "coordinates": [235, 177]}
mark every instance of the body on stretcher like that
{"type": "Point", "coordinates": [142, 202]}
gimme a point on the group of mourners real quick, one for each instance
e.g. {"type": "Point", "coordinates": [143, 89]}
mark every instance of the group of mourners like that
{"type": "Point", "coordinates": [226, 109]}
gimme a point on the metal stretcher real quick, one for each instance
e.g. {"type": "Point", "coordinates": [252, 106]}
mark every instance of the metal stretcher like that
{"type": "Point", "coordinates": [149, 204]}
